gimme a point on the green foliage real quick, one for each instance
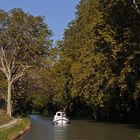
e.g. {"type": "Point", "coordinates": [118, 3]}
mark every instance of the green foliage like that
{"type": "Point", "coordinates": [25, 41]}
{"type": "Point", "coordinates": [97, 56]}
{"type": "Point", "coordinates": [25, 37]}
{"type": "Point", "coordinates": [3, 89]}
{"type": "Point", "coordinates": [94, 66]}
{"type": "Point", "coordinates": [138, 88]}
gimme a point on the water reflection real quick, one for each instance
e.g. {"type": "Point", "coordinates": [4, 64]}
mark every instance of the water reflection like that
{"type": "Point", "coordinates": [42, 129]}
{"type": "Point", "coordinates": [60, 132]}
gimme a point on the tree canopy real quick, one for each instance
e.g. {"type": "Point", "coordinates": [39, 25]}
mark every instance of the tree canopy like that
{"type": "Point", "coordinates": [93, 71]}
{"type": "Point", "coordinates": [24, 41]}
{"type": "Point", "coordinates": [97, 56]}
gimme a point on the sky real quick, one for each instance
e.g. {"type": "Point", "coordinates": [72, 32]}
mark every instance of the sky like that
{"type": "Point", "coordinates": [57, 13]}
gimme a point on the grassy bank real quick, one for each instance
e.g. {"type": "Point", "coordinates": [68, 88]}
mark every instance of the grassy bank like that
{"type": "Point", "coordinates": [4, 118]}
{"type": "Point", "coordinates": [16, 130]}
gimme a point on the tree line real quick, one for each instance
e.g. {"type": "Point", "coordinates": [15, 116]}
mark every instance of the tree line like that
{"type": "Point", "coordinates": [93, 72]}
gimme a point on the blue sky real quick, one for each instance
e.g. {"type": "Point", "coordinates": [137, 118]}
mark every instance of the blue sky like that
{"type": "Point", "coordinates": [58, 13]}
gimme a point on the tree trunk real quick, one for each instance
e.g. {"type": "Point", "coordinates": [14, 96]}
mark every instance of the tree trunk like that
{"type": "Point", "coordinates": [9, 105]}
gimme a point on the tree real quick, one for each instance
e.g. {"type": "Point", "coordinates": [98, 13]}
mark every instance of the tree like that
{"type": "Point", "coordinates": [24, 41]}
{"type": "Point", "coordinates": [61, 84]}
{"type": "Point", "coordinates": [97, 54]}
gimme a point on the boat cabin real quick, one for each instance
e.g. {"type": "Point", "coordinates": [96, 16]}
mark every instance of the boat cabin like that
{"type": "Point", "coordinates": [60, 118]}
{"type": "Point", "coordinates": [60, 114]}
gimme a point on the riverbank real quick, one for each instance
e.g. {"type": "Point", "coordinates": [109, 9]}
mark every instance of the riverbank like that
{"type": "Point", "coordinates": [14, 130]}
{"type": "Point", "coordinates": [4, 119]}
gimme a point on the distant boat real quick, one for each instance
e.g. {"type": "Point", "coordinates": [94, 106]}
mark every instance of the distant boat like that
{"type": "Point", "coordinates": [60, 118]}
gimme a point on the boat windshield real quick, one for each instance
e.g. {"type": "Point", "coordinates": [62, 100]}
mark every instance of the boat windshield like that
{"type": "Point", "coordinates": [63, 115]}
{"type": "Point", "coordinates": [60, 114]}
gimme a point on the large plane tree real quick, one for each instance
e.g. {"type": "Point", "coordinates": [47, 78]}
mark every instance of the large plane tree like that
{"type": "Point", "coordinates": [24, 41]}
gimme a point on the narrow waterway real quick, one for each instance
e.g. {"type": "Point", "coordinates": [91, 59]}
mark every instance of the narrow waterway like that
{"type": "Point", "coordinates": [42, 129]}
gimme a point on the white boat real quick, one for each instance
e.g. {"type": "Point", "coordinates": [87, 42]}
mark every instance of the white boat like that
{"type": "Point", "coordinates": [60, 118]}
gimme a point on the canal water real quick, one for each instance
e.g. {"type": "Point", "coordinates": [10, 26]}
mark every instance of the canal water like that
{"type": "Point", "coordinates": [42, 129]}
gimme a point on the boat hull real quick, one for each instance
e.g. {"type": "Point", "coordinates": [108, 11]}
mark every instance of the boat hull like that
{"type": "Point", "coordinates": [61, 121]}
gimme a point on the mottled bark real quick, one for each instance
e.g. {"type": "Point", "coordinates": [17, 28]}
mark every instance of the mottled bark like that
{"type": "Point", "coordinates": [9, 100]}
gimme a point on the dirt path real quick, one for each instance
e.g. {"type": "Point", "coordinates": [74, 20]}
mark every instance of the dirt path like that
{"type": "Point", "coordinates": [9, 124]}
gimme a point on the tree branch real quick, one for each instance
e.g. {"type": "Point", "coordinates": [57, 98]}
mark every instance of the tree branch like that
{"type": "Point", "coordinates": [4, 71]}
{"type": "Point", "coordinates": [5, 59]}
{"type": "Point", "coordinates": [13, 65]}
{"type": "Point", "coordinates": [136, 6]}
{"type": "Point", "coordinates": [4, 97]}
{"type": "Point", "coordinates": [20, 74]}
{"type": "Point", "coordinates": [2, 63]}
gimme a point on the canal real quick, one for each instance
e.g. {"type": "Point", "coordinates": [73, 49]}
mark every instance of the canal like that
{"type": "Point", "coordinates": [42, 129]}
